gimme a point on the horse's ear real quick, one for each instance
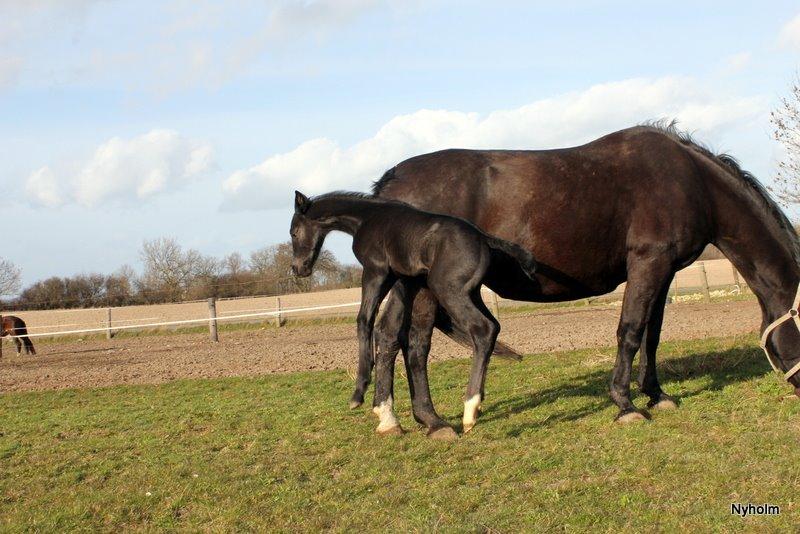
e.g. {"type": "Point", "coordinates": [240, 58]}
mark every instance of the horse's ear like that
{"type": "Point", "coordinates": [301, 202]}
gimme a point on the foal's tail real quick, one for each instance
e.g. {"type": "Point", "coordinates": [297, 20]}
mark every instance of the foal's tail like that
{"type": "Point", "coordinates": [522, 257]}
{"type": "Point", "coordinates": [445, 324]}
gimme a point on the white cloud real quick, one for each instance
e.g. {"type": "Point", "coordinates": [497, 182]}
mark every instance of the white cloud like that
{"type": "Point", "coordinates": [125, 169]}
{"type": "Point", "coordinates": [736, 62]}
{"type": "Point", "coordinates": [789, 35]}
{"type": "Point", "coordinates": [321, 165]}
{"type": "Point", "coordinates": [279, 22]}
{"type": "Point", "coordinates": [43, 188]}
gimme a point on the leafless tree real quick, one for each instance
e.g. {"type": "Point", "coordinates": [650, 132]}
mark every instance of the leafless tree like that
{"type": "Point", "coordinates": [786, 121]}
{"type": "Point", "coordinates": [9, 278]}
{"type": "Point", "coordinates": [234, 264]}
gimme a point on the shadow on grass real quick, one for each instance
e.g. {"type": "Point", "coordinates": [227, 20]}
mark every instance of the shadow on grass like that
{"type": "Point", "coordinates": [721, 368]}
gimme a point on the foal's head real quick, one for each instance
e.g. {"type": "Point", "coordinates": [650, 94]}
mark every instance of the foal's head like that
{"type": "Point", "coordinates": [307, 237]}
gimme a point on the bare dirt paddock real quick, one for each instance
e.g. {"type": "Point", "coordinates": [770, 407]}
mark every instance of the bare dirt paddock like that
{"type": "Point", "coordinates": [161, 358]}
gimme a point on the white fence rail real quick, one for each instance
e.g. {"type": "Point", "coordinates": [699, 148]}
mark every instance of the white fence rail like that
{"type": "Point", "coordinates": [50, 323]}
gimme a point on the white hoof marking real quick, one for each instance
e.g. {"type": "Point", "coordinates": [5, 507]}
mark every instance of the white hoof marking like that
{"type": "Point", "coordinates": [471, 407]}
{"type": "Point", "coordinates": [631, 417]}
{"type": "Point", "coordinates": [665, 404]}
{"type": "Point", "coordinates": [385, 412]}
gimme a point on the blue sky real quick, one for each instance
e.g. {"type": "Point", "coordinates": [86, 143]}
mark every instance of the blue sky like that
{"type": "Point", "coordinates": [126, 121]}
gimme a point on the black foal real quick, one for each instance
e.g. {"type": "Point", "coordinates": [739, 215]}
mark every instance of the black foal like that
{"type": "Point", "coordinates": [392, 241]}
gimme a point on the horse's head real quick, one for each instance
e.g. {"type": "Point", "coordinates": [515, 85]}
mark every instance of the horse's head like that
{"type": "Point", "coordinates": [307, 237]}
{"type": "Point", "coordinates": [781, 345]}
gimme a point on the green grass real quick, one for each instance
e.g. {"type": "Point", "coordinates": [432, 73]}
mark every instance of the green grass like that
{"type": "Point", "coordinates": [283, 452]}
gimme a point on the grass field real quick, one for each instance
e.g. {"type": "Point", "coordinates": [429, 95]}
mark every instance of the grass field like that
{"type": "Point", "coordinates": [283, 452]}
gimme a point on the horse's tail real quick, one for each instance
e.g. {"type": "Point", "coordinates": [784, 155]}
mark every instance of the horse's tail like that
{"type": "Point", "coordinates": [28, 345]}
{"type": "Point", "coordinates": [20, 329]}
{"type": "Point", "coordinates": [516, 253]}
{"type": "Point", "coordinates": [446, 325]}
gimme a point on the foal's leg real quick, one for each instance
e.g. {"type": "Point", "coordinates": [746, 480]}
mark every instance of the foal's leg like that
{"type": "Point", "coordinates": [423, 317]}
{"type": "Point", "coordinates": [407, 323]}
{"type": "Point", "coordinates": [647, 275]}
{"type": "Point", "coordinates": [391, 333]}
{"type": "Point", "coordinates": [648, 379]}
{"type": "Point", "coordinates": [18, 343]}
{"type": "Point", "coordinates": [374, 286]}
{"type": "Point", "coordinates": [483, 330]}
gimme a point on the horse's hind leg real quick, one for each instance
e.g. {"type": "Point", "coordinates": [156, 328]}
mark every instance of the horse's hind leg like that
{"type": "Point", "coordinates": [647, 276]}
{"type": "Point", "coordinates": [648, 379]}
{"type": "Point", "coordinates": [483, 328]}
{"type": "Point", "coordinates": [423, 317]}
{"type": "Point", "coordinates": [18, 344]}
{"type": "Point", "coordinates": [29, 346]}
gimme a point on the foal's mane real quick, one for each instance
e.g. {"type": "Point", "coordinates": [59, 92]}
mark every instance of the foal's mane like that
{"type": "Point", "coordinates": [331, 199]}
{"type": "Point", "coordinates": [756, 189]}
{"type": "Point", "coordinates": [345, 195]}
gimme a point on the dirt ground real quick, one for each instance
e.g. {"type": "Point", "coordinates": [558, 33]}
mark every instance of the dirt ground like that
{"type": "Point", "coordinates": [157, 359]}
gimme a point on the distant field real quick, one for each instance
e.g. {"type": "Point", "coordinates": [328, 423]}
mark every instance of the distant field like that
{"type": "Point", "coordinates": [283, 453]}
{"type": "Point", "coordinates": [719, 272]}
{"type": "Point", "coordinates": [257, 349]}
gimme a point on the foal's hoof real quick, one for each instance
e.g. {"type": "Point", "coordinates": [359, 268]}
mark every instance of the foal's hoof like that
{"type": "Point", "coordinates": [631, 416]}
{"type": "Point", "coordinates": [396, 430]}
{"type": "Point", "coordinates": [355, 404]}
{"type": "Point", "coordinates": [443, 433]}
{"type": "Point", "coordinates": [664, 402]}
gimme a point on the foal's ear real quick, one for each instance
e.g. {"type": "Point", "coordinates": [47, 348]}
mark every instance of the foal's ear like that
{"type": "Point", "coordinates": [301, 202]}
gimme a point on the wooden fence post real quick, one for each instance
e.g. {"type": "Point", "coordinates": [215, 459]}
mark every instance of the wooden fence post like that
{"type": "Point", "coordinates": [675, 291]}
{"type": "Point", "coordinates": [704, 281]}
{"type": "Point", "coordinates": [212, 319]}
{"type": "Point", "coordinates": [1, 331]}
{"type": "Point", "coordinates": [109, 334]}
{"type": "Point", "coordinates": [495, 305]}
{"type": "Point", "coordinates": [278, 310]}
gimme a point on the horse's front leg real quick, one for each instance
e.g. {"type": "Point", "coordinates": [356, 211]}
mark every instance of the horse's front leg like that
{"type": "Point", "coordinates": [648, 379]}
{"type": "Point", "coordinates": [390, 335]}
{"type": "Point", "coordinates": [375, 284]}
{"type": "Point", "coordinates": [647, 278]}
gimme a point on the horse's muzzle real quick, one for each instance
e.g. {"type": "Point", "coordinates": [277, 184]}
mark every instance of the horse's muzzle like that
{"type": "Point", "coordinates": [301, 270]}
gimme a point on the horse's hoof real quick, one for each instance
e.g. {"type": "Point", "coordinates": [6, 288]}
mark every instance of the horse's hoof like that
{"type": "Point", "coordinates": [468, 427]}
{"type": "Point", "coordinates": [355, 404]}
{"type": "Point", "coordinates": [396, 430]}
{"type": "Point", "coordinates": [664, 402]}
{"type": "Point", "coordinates": [443, 433]}
{"type": "Point", "coordinates": [631, 416]}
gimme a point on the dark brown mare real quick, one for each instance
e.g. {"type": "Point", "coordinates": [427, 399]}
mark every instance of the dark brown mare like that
{"type": "Point", "coordinates": [14, 326]}
{"type": "Point", "coordinates": [636, 205]}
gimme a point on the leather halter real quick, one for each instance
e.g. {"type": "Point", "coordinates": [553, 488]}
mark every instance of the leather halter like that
{"type": "Point", "coordinates": [794, 315]}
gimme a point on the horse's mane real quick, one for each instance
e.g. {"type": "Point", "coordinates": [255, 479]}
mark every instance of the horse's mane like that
{"type": "Point", "coordinates": [353, 195]}
{"type": "Point", "coordinates": [327, 201]}
{"type": "Point", "coordinates": [758, 192]}
{"type": "Point", "coordinates": [380, 183]}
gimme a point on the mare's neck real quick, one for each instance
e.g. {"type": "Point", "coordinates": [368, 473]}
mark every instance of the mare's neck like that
{"type": "Point", "coordinates": [765, 258]}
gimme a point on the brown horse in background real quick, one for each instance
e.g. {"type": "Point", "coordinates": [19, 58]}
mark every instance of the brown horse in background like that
{"type": "Point", "coordinates": [14, 326]}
